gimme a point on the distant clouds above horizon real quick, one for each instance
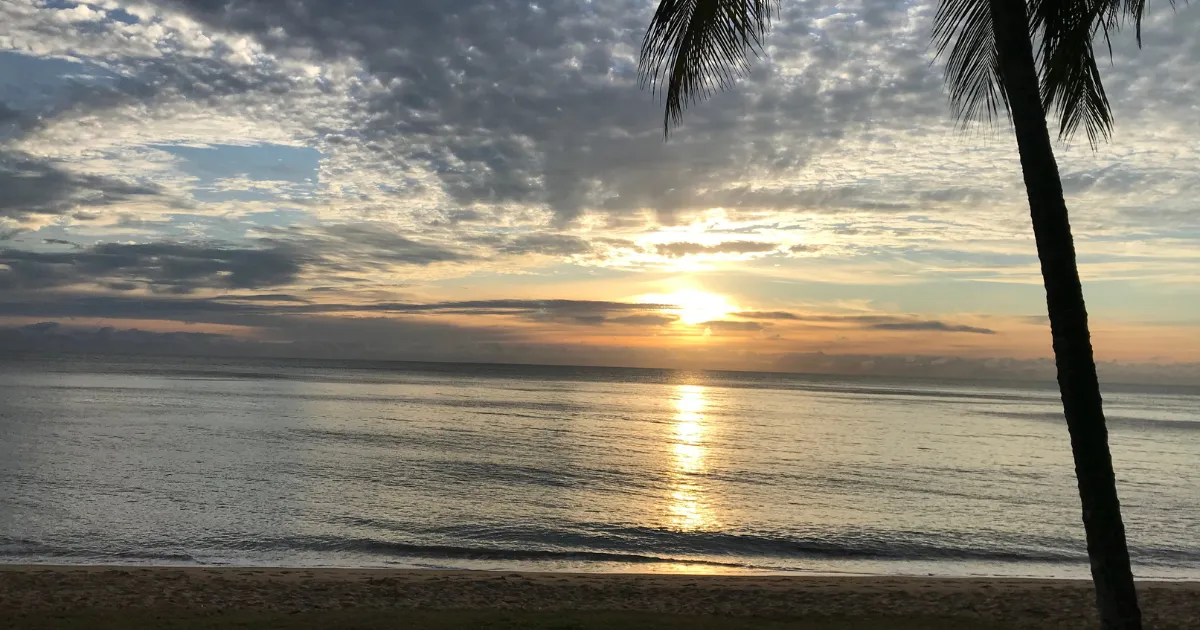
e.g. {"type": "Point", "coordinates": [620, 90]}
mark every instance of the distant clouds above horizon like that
{"type": "Point", "coordinates": [448, 177]}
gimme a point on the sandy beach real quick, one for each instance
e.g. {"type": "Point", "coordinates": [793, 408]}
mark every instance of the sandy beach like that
{"type": "Point", "coordinates": [30, 592]}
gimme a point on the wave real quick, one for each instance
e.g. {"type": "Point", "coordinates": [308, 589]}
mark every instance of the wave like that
{"type": "Point", "coordinates": [631, 546]}
{"type": "Point", "coordinates": [470, 552]}
{"type": "Point", "coordinates": [643, 545]}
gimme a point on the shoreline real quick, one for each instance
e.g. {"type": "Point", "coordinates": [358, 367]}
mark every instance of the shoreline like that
{"type": "Point", "coordinates": [33, 590]}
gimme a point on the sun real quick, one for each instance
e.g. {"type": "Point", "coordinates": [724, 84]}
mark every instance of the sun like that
{"type": "Point", "coordinates": [692, 307]}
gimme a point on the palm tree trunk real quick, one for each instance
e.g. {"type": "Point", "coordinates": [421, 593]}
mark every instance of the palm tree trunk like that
{"type": "Point", "coordinates": [1077, 382]}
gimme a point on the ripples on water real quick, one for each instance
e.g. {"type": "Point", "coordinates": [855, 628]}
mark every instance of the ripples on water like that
{"type": "Point", "coordinates": [339, 464]}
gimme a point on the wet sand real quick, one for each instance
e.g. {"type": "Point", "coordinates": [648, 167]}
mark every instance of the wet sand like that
{"type": "Point", "coordinates": [29, 590]}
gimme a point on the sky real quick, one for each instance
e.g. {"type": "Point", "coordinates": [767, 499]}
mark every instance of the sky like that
{"type": "Point", "coordinates": [483, 180]}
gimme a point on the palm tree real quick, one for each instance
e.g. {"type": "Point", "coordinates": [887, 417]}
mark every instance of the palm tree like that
{"type": "Point", "coordinates": [694, 46]}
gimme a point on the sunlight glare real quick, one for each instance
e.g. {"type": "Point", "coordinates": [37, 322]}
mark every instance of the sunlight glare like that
{"type": "Point", "coordinates": [693, 307]}
{"type": "Point", "coordinates": [686, 504]}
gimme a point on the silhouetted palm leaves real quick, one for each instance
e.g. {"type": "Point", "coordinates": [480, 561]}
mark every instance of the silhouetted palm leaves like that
{"type": "Point", "coordinates": [694, 47]}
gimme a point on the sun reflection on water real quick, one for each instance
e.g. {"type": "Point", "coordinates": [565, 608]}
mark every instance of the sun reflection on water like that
{"type": "Point", "coordinates": [686, 505]}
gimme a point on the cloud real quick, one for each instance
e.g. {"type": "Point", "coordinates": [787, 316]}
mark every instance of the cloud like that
{"type": "Point", "coordinates": [767, 315]}
{"type": "Point", "coordinates": [648, 319]}
{"type": "Point", "coordinates": [29, 186]}
{"type": "Point", "coordinates": [50, 337]}
{"type": "Point", "coordinates": [507, 143]}
{"type": "Point", "coordinates": [544, 244]}
{"type": "Point", "coordinates": [380, 243]}
{"type": "Point", "coordinates": [536, 105]}
{"type": "Point", "coordinates": [257, 309]}
{"type": "Point", "coordinates": [683, 248]}
{"type": "Point", "coordinates": [165, 267]}
{"type": "Point", "coordinates": [266, 297]}
{"type": "Point", "coordinates": [932, 325]}
{"type": "Point", "coordinates": [577, 312]}
{"type": "Point", "coordinates": [876, 322]}
{"type": "Point", "coordinates": [731, 326]}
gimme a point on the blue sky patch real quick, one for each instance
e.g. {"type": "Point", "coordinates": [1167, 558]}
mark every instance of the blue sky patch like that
{"type": "Point", "coordinates": [256, 162]}
{"type": "Point", "coordinates": [30, 82]}
{"type": "Point", "coordinates": [297, 167]}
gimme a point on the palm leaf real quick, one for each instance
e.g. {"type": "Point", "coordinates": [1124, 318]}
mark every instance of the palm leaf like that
{"type": "Point", "coordinates": [695, 47]}
{"type": "Point", "coordinates": [1070, 76]}
{"type": "Point", "coordinates": [963, 33]}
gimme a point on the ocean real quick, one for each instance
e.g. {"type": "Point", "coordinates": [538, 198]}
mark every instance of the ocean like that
{"type": "Point", "coordinates": [310, 463]}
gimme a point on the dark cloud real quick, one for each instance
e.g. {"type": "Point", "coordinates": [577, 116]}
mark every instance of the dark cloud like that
{"type": "Point", "coordinates": [29, 186]}
{"type": "Point", "coordinates": [828, 199]}
{"type": "Point", "coordinates": [767, 315]}
{"type": "Point", "coordinates": [83, 88]}
{"type": "Point", "coordinates": [364, 249]}
{"type": "Point", "coordinates": [545, 244]}
{"type": "Point", "coordinates": [49, 337]}
{"type": "Point", "coordinates": [876, 322]}
{"type": "Point", "coordinates": [265, 297]}
{"type": "Point", "coordinates": [648, 319]}
{"type": "Point", "coordinates": [677, 250]}
{"type": "Point", "coordinates": [581, 319]}
{"type": "Point", "coordinates": [301, 330]}
{"type": "Point", "coordinates": [260, 309]}
{"type": "Point", "coordinates": [69, 305]}
{"type": "Point", "coordinates": [573, 312]}
{"type": "Point", "coordinates": [932, 325]}
{"type": "Point", "coordinates": [377, 243]}
{"type": "Point", "coordinates": [590, 305]}
{"type": "Point", "coordinates": [358, 245]}
{"type": "Point", "coordinates": [164, 267]}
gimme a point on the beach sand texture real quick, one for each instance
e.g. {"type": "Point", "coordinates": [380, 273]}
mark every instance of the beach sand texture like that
{"type": "Point", "coordinates": [27, 591]}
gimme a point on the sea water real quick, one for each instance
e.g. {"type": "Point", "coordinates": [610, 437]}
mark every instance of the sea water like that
{"type": "Point", "coordinates": [310, 463]}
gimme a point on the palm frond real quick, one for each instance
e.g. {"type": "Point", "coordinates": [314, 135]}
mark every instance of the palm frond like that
{"type": "Point", "coordinates": [1070, 78]}
{"type": "Point", "coordinates": [963, 33]}
{"type": "Point", "coordinates": [1066, 32]}
{"type": "Point", "coordinates": [694, 47]}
